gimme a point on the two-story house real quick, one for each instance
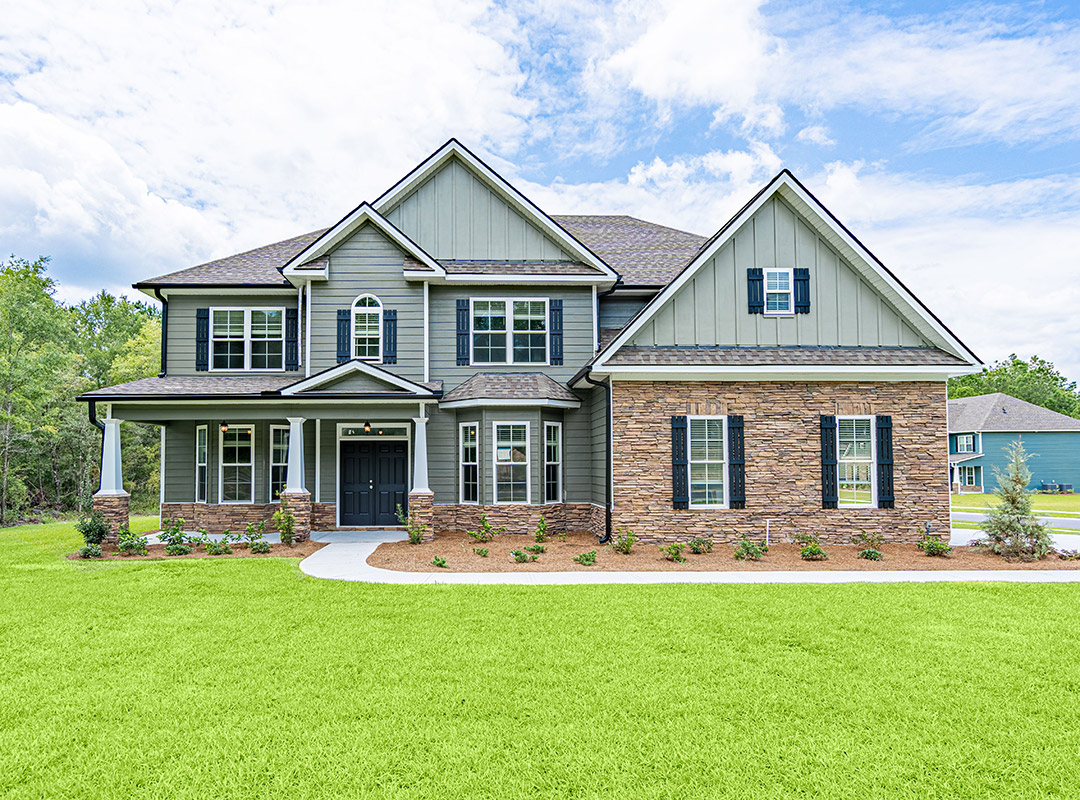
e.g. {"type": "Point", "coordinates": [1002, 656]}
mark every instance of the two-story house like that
{"type": "Point", "coordinates": [452, 349]}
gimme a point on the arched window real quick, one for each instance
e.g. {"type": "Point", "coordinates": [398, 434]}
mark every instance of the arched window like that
{"type": "Point", "coordinates": [367, 328]}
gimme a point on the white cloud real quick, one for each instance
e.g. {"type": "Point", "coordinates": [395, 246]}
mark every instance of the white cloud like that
{"type": "Point", "coordinates": [815, 134]}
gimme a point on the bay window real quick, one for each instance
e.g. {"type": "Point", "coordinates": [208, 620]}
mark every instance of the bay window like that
{"type": "Point", "coordinates": [511, 462]}
{"type": "Point", "coordinates": [279, 459]}
{"type": "Point", "coordinates": [470, 462]}
{"type": "Point", "coordinates": [236, 464]}
{"type": "Point", "coordinates": [552, 462]}
{"type": "Point", "coordinates": [201, 476]}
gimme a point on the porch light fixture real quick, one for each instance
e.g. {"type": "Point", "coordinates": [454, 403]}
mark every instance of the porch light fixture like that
{"type": "Point", "coordinates": [224, 427]}
{"type": "Point", "coordinates": [367, 427]}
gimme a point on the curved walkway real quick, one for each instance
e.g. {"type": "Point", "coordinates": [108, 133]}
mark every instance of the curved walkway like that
{"type": "Point", "coordinates": [345, 559]}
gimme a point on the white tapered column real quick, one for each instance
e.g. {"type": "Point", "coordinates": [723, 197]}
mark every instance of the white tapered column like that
{"type": "Point", "coordinates": [420, 459]}
{"type": "Point", "coordinates": [294, 473]}
{"type": "Point", "coordinates": [112, 473]}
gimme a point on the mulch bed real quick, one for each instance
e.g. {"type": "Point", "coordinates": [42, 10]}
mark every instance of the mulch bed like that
{"type": "Point", "coordinates": [299, 550]}
{"type": "Point", "coordinates": [457, 549]}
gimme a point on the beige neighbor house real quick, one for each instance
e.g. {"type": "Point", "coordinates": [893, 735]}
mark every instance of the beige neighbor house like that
{"type": "Point", "coordinates": [452, 349]}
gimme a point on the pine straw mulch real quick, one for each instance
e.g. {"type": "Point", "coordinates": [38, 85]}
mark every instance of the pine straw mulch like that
{"type": "Point", "coordinates": [157, 551]}
{"type": "Point", "coordinates": [457, 549]}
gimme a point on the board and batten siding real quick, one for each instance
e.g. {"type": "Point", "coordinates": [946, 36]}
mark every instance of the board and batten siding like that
{"type": "Point", "coordinates": [180, 347]}
{"type": "Point", "coordinates": [616, 311]}
{"type": "Point", "coordinates": [711, 308]}
{"type": "Point", "coordinates": [368, 263]}
{"type": "Point", "coordinates": [456, 215]}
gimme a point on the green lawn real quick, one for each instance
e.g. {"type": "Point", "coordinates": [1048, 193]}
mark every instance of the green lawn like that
{"type": "Point", "coordinates": [243, 679]}
{"type": "Point", "coordinates": [1062, 504]}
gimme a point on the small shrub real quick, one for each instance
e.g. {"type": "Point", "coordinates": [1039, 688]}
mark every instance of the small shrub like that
{"type": "Point", "coordinates": [90, 551]}
{"type": "Point", "coordinates": [932, 545]}
{"type": "Point", "coordinates": [200, 538]}
{"type": "Point", "coordinates": [700, 545]}
{"type": "Point", "coordinates": [438, 561]}
{"type": "Point", "coordinates": [749, 550]}
{"type": "Point", "coordinates": [870, 554]}
{"type": "Point", "coordinates": [254, 532]}
{"type": "Point", "coordinates": [1069, 555]}
{"type": "Point", "coordinates": [260, 546]}
{"type": "Point", "coordinates": [487, 531]}
{"type": "Point", "coordinates": [130, 544]}
{"type": "Point", "coordinates": [94, 528]}
{"type": "Point", "coordinates": [520, 556]}
{"type": "Point", "coordinates": [624, 542]}
{"type": "Point", "coordinates": [813, 551]}
{"type": "Point", "coordinates": [285, 522]}
{"type": "Point", "coordinates": [173, 533]}
{"type": "Point", "coordinates": [868, 541]}
{"type": "Point", "coordinates": [416, 530]}
{"type": "Point", "coordinates": [536, 548]}
{"type": "Point", "coordinates": [586, 559]}
{"type": "Point", "coordinates": [178, 549]}
{"type": "Point", "coordinates": [562, 536]}
{"type": "Point", "coordinates": [481, 551]}
{"type": "Point", "coordinates": [541, 530]}
{"type": "Point", "coordinates": [673, 551]}
{"type": "Point", "coordinates": [220, 548]}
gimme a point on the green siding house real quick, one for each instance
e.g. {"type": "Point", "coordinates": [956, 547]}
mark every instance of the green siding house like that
{"type": "Point", "coordinates": [451, 349]}
{"type": "Point", "coordinates": [982, 427]}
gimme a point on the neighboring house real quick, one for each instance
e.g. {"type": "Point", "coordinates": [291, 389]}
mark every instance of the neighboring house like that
{"type": "Point", "coordinates": [981, 427]}
{"type": "Point", "coordinates": [452, 349]}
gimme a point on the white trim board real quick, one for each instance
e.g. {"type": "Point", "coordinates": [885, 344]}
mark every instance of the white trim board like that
{"type": "Point", "coordinates": [454, 148]}
{"type": "Point", "coordinates": [481, 402]}
{"type": "Point", "coordinates": [788, 187]}
{"type": "Point", "coordinates": [774, 373]}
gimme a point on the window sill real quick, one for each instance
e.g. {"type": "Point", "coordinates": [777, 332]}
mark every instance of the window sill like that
{"type": "Point", "coordinates": [710, 507]}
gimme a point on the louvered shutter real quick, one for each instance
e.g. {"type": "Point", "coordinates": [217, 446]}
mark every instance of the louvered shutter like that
{"type": "Point", "coordinates": [202, 339]}
{"type": "Point", "coordinates": [344, 333]}
{"type": "Point", "coordinates": [755, 290]}
{"type": "Point", "coordinates": [886, 498]}
{"type": "Point", "coordinates": [736, 462]}
{"type": "Point", "coordinates": [829, 498]}
{"type": "Point", "coordinates": [389, 346]}
{"type": "Point", "coordinates": [802, 290]}
{"type": "Point", "coordinates": [463, 332]}
{"type": "Point", "coordinates": [292, 339]}
{"type": "Point", "coordinates": [680, 483]}
{"type": "Point", "coordinates": [555, 311]}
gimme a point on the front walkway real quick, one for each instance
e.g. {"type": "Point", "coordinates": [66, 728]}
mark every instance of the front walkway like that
{"type": "Point", "coordinates": [345, 559]}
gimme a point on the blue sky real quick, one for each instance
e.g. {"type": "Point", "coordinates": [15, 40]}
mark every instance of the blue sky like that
{"type": "Point", "coordinates": [150, 136]}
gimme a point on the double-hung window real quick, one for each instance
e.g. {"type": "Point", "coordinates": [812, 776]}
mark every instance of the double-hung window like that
{"type": "Point", "coordinates": [778, 291]}
{"type": "Point", "coordinates": [367, 328]}
{"type": "Point", "coordinates": [470, 462]}
{"type": "Point", "coordinates": [855, 461]}
{"type": "Point", "coordinates": [968, 476]}
{"type": "Point", "coordinates": [552, 462]}
{"type": "Point", "coordinates": [279, 459]}
{"type": "Point", "coordinates": [247, 339]}
{"type": "Point", "coordinates": [201, 475]}
{"type": "Point", "coordinates": [511, 462]}
{"type": "Point", "coordinates": [510, 331]}
{"type": "Point", "coordinates": [965, 443]}
{"type": "Point", "coordinates": [236, 463]}
{"type": "Point", "coordinates": [707, 462]}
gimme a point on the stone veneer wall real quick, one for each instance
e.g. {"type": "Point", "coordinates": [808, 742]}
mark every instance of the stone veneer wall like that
{"type": "Point", "coordinates": [783, 458]}
{"type": "Point", "coordinates": [114, 508]}
{"type": "Point", "coordinates": [565, 517]}
{"type": "Point", "coordinates": [218, 518]}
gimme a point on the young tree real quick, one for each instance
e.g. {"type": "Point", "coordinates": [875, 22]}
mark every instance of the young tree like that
{"type": "Point", "coordinates": [1036, 381]}
{"type": "Point", "coordinates": [1011, 529]}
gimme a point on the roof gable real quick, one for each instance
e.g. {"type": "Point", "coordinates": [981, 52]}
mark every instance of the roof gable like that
{"type": "Point", "coordinates": [357, 376]}
{"type": "Point", "coordinates": [1003, 412]}
{"type": "Point", "coordinates": [911, 323]}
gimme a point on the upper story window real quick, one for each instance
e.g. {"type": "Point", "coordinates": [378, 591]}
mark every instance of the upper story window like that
{"type": "Point", "coordinates": [778, 291]}
{"type": "Point", "coordinates": [510, 331]}
{"type": "Point", "coordinates": [367, 328]}
{"type": "Point", "coordinates": [855, 461]}
{"type": "Point", "coordinates": [965, 443]}
{"type": "Point", "coordinates": [247, 339]}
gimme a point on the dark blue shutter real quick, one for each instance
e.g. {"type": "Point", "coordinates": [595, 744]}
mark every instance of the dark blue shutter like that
{"type": "Point", "coordinates": [802, 290]}
{"type": "Point", "coordinates": [680, 484]}
{"type": "Point", "coordinates": [389, 345]}
{"type": "Point", "coordinates": [736, 462]}
{"type": "Point", "coordinates": [344, 333]}
{"type": "Point", "coordinates": [463, 333]}
{"type": "Point", "coordinates": [755, 290]}
{"type": "Point", "coordinates": [202, 339]}
{"type": "Point", "coordinates": [829, 498]}
{"type": "Point", "coordinates": [292, 339]}
{"type": "Point", "coordinates": [555, 312]}
{"type": "Point", "coordinates": [885, 496]}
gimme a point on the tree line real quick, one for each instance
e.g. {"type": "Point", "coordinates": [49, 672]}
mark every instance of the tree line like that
{"type": "Point", "coordinates": [1036, 380]}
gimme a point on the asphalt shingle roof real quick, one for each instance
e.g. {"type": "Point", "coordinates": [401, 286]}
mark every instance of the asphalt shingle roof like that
{"type": "Point", "coordinates": [519, 267]}
{"type": "Point", "coordinates": [784, 356]}
{"type": "Point", "coordinates": [1002, 412]}
{"type": "Point", "coordinates": [643, 253]}
{"type": "Point", "coordinates": [199, 384]}
{"type": "Point", "coordinates": [510, 386]}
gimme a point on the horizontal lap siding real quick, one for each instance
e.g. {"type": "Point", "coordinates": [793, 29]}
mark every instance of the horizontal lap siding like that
{"type": "Point", "coordinates": [1054, 457]}
{"type": "Point", "coordinates": [616, 311]}
{"type": "Point", "coordinates": [598, 436]}
{"type": "Point", "coordinates": [577, 454]}
{"type": "Point", "coordinates": [442, 436]}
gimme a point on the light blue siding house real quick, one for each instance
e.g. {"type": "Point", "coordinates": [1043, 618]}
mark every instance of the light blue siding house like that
{"type": "Point", "coordinates": [980, 428]}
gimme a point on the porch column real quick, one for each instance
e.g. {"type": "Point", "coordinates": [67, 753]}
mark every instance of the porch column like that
{"type": "Point", "coordinates": [420, 470]}
{"type": "Point", "coordinates": [111, 501]}
{"type": "Point", "coordinates": [294, 493]}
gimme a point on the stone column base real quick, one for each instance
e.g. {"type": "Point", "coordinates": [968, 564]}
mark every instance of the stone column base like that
{"type": "Point", "coordinates": [114, 507]}
{"type": "Point", "coordinates": [300, 506]}
{"type": "Point", "coordinates": [422, 512]}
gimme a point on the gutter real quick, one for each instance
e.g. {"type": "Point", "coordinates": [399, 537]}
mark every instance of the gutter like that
{"type": "Point", "coordinates": [609, 499]}
{"type": "Point", "coordinates": [164, 332]}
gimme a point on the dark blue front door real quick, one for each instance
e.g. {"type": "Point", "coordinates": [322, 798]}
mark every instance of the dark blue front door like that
{"type": "Point", "coordinates": [373, 482]}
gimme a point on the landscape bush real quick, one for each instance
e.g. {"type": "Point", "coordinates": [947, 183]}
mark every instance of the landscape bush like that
{"type": "Point", "coordinates": [520, 556]}
{"type": "Point", "coordinates": [219, 548]}
{"type": "Point", "coordinates": [870, 554]}
{"type": "Point", "coordinates": [1069, 555]}
{"type": "Point", "coordinates": [481, 551]}
{"type": "Point", "coordinates": [130, 544]}
{"type": "Point", "coordinates": [487, 531]}
{"type": "Point", "coordinates": [624, 541]}
{"type": "Point", "coordinates": [541, 530]}
{"type": "Point", "coordinates": [673, 551]}
{"type": "Point", "coordinates": [438, 561]}
{"type": "Point", "coordinates": [285, 522]}
{"type": "Point", "coordinates": [536, 548]}
{"type": "Point", "coordinates": [810, 548]}
{"type": "Point", "coordinates": [868, 541]}
{"type": "Point", "coordinates": [93, 528]}
{"type": "Point", "coordinates": [173, 533]}
{"type": "Point", "coordinates": [586, 559]}
{"type": "Point", "coordinates": [260, 546]}
{"type": "Point", "coordinates": [90, 551]}
{"type": "Point", "coordinates": [749, 550]}
{"type": "Point", "coordinates": [701, 545]}
{"type": "Point", "coordinates": [932, 545]}
{"type": "Point", "coordinates": [253, 533]}
{"type": "Point", "coordinates": [415, 530]}
{"type": "Point", "coordinates": [178, 549]}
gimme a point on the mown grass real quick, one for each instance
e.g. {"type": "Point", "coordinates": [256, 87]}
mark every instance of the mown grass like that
{"type": "Point", "coordinates": [1062, 504]}
{"type": "Point", "coordinates": [242, 678]}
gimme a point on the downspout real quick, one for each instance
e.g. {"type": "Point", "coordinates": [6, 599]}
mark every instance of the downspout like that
{"type": "Point", "coordinates": [607, 461]}
{"type": "Point", "coordinates": [164, 339]}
